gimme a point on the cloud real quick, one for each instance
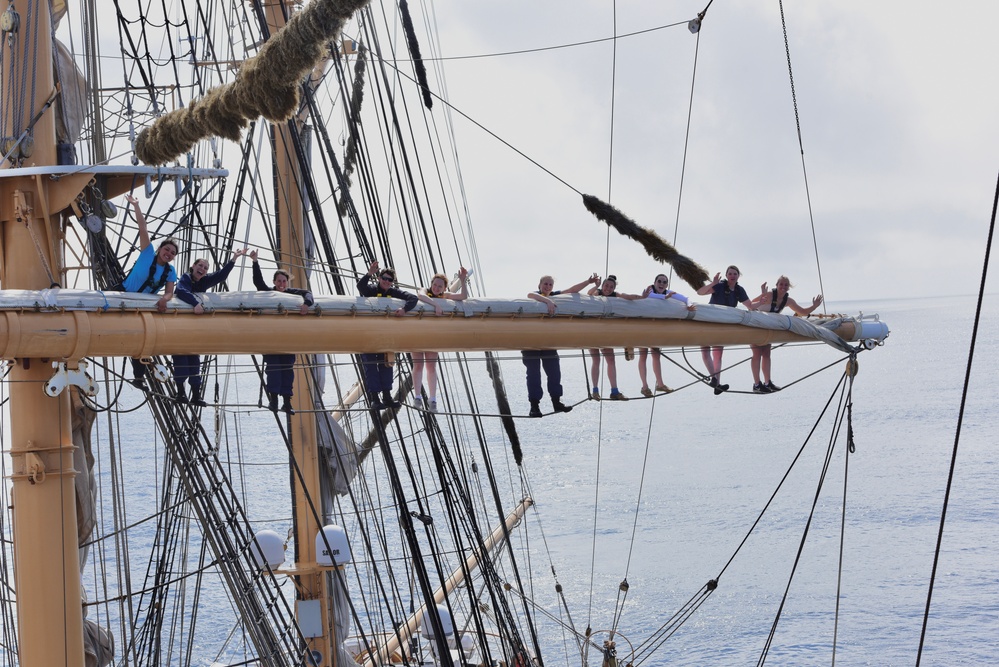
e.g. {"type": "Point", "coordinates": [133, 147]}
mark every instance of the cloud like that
{"type": "Point", "coordinates": [897, 116]}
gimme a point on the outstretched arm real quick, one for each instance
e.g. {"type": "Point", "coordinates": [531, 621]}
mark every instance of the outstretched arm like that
{"type": "Point", "coordinates": [793, 305]}
{"type": "Point", "coordinates": [595, 279]}
{"type": "Point", "coordinates": [463, 294]}
{"type": "Point", "coordinates": [140, 220]}
{"type": "Point", "coordinates": [707, 289]}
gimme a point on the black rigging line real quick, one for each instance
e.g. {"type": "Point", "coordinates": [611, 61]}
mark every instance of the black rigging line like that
{"type": "Point", "coordinates": [804, 173]}
{"type": "Point", "coordinates": [569, 45]}
{"type": "Point", "coordinates": [960, 422]}
{"type": "Point", "coordinates": [830, 448]}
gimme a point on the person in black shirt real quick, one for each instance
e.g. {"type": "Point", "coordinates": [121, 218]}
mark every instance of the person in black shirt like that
{"type": "Point", "coordinates": [279, 369]}
{"type": "Point", "coordinates": [729, 293]}
{"type": "Point", "coordinates": [377, 373]}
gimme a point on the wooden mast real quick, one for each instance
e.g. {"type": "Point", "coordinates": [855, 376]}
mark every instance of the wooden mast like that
{"type": "Point", "coordinates": [43, 499]}
{"type": "Point", "coordinates": [312, 586]}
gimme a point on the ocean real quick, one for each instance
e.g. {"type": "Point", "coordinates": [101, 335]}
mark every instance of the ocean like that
{"type": "Point", "coordinates": [679, 487]}
{"type": "Point", "coordinates": [670, 493]}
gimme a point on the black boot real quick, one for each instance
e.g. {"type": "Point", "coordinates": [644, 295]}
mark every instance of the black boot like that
{"type": "Point", "coordinates": [535, 409]}
{"type": "Point", "coordinates": [388, 401]}
{"type": "Point", "coordinates": [286, 405]}
{"type": "Point", "coordinates": [373, 402]}
{"type": "Point", "coordinates": [181, 396]}
{"type": "Point", "coordinates": [559, 406]}
{"type": "Point", "coordinates": [197, 397]}
{"type": "Point", "coordinates": [272, 402]}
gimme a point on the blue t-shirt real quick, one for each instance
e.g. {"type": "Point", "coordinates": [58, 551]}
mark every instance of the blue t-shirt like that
{"type": "Point", "coordinates": [140, 272]}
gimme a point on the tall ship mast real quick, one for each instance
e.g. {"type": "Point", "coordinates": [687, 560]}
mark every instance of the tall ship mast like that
{"type": "Point", "coordinates": [144, 528]}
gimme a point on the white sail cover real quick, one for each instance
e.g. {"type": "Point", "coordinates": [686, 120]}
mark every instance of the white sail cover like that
{"type": "Point", "coordinates": [569, 305]}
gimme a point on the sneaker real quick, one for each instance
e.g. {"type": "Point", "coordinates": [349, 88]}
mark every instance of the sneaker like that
{"type": "Point", "coordinates": [771, 386]}
{"type": "Point", "coordinates": [595, 395]}
{"type": "Point", "coordinates": [760, 388]}
{"type": "Point", "coordinates": [433, 405]}
{"type": "Point", "coordinates": [618, 396]}
{"type": "Point", "coordinates": [663, 389]}
{"type": "Point", "coordinates": [418, 403]}
{"type": "Point", "coordinates": [646, 392]}
{"type": "Point", "coordinates": [559, 406]}
{"type": "Point", "coordinates": [535, 410]}
{"type": "Point", "coordinates": [720, 388]}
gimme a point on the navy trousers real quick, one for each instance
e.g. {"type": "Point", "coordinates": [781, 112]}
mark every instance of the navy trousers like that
{"type": "Point", "coordinates": [534, 360]}
{"type": "Point", "coordinates": [377, 374]}
{"type": "Point", "coordinates": [279, 369]}
{"type": "Point", "coordinates": [187, 367]}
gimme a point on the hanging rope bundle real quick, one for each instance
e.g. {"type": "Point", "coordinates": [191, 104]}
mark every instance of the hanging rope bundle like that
{"type": "Point", "coordinates": [356, 98]}
{"type": "Point", "coordinates": [414, 53]}
{"type": "Point", "coordinates": [492, 366]}
{"type": "Point", "coordinates": [267, 85]}
{"type": "Point", "coordinates": [687, 269]}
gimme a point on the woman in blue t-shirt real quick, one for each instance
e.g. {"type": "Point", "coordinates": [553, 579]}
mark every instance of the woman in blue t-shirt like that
{"type": "Point", "coordinates": [150, 273]}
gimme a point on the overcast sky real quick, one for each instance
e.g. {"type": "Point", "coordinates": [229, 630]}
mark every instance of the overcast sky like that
{"type": "Point", "coordinates": [898, 110]}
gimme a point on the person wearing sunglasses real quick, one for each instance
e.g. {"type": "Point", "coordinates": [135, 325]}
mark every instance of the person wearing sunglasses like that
{"type": "Point", "coordinates": [377, 373]}
{"type": "Point", "coordinates": [659, 289]}
{"type": "Point", "coordinates": [607, 289]}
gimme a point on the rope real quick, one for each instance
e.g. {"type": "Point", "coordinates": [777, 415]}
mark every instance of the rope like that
{"type": "Point", "coordinates": [960, 422]}
{"type": "Point", "coordinates": [804, 173]}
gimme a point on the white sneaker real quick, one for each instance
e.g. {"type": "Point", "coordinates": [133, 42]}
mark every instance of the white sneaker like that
{"type": "Point", "coordinates": [433, 405]}
{"type": "Point", "coordinates": [418, 402]}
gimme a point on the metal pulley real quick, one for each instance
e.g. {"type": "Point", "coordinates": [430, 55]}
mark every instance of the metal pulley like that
{"type": "Point", "coordinates": [108, 209]}
{"type": "Point", "coordinates": [10, 21]}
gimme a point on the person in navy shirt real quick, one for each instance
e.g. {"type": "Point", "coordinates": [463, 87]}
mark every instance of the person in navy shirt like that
{"type": "Point", "coordinates": [729, 293]}
{"type": "Point", "coordinates": [279, 369]}
{"type": "Point", "coordinates": [187, 367]}
{"type": "Point", "coordinates": [534, 360]}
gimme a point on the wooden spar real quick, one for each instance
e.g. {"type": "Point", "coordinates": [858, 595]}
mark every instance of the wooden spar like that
{"type": "Point", "coordinates": [78, 334]}
{"type": "Point", "coordinates": [289, 211]}
{"type": "Point", "coordinates": [412, 623]}
{"type": "Point", "coordinates": [43, 497]}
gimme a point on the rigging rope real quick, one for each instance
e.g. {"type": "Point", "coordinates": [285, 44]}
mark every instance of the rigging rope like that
{"type": "Point", "coordinates": [960, 422]}
{"type": "Point", "coordinates": [804, 173]}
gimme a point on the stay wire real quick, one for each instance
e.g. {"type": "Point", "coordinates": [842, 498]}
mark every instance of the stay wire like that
{"type": "Point", "coordinates": [830, 448]}
{"type": "Point", "coordinates": [599, 359]}
{"type": "Point", "coordinates": [686, 142]}
{"type": "Point", "coordinates": [784, 478]}
{"type": "Point", "coordinates": [804, 171]}
{"type": "Point", "coordinates": [960, 422]}
{"type": "Point", "coordinates": [842, 519]}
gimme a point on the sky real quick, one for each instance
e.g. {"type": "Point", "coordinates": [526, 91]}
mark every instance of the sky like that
{"type": "Point", "coordinates": [897, 107]}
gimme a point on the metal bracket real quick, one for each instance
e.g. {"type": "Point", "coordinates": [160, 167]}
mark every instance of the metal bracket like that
{"type": "Point", "coordinates": [70, 376]}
